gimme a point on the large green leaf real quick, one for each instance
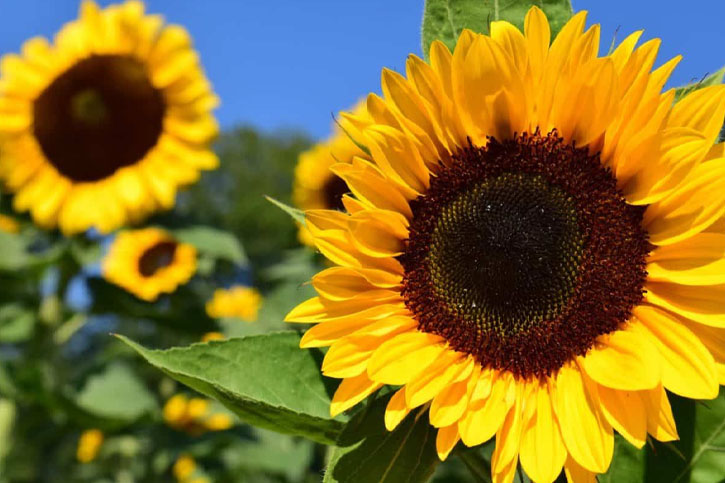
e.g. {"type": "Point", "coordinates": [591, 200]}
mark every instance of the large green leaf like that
{"type": "Point", "coordinates": [367, 452]}
{"type": "Point", "coordinates": [267, 380]}
{"type": "Point", "coordinates": [699, 455]}
{"type": "Point", "coordinates": [12, 252]}
{"type": "Point", "coordinates": [445, 19]}
{"type": "Point", "coordinates": [117, 394]}
{"type": "Point", "coordinates": [213, 242]}
{"type": "Point", "coordinates": [709, 80]}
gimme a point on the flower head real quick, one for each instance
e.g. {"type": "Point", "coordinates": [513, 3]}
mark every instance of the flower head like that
{"type": "Point", "coordinates": [89, 444]}
{"type": "Point", "coordinates": [102, 127]}
{"type": "Point", "coordinates": [237, 301]}
{"type": "Point", "coordinates": [149, 262]}
{"type": "Point", "coordinates": [534, 250]}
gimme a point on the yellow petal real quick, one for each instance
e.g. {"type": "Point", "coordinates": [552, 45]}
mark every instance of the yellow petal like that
{"type": "Point", "coordinates": [350, 392]}
{"type": "Point", "coordinates": [508, 437]}
{"type": "Point", "coordinates": [660, 421]}
{"type": "Point", "coordinates": [451, 403]}
{"type": "Point", "coordinates": [586, 433]}
{"type": "Point", "coordinates": [446, 368]}
{"type": "Point", "coordinates": [625, 359]}
{"type": "Point", "coordinates": [542, 452]}
{"type": "Point", "coordinates": [404, 356]}
{"type": "Point", "coordinates": [688, 368]}
{"type": "Point", "coordinates": [625, 411]}
{"type": "Point", "coordinates": [575, 473]}
{"type": "Point", "coordinates": [486, 414]}
{"type": "Point", "coordinates": [446, 440]}
{"type": "Point", "coordinates": [703, 304]}
{"type": "Point", "coordinates": [699, 260]}
{"type": "Point", "coordinates": [396, 410]}
{"type": "Point", "coordinates": [691, 208]}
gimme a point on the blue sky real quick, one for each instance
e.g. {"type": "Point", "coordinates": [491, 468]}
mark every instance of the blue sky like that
{"type": "Point", "coordinates": [289, 64]}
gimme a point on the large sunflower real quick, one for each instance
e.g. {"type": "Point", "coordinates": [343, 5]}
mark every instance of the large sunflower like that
{"type": "Point", "coordinates": [103, 126]}
{"type": "Point", "coordinates": [315, 186]}
{"type": "Point", "coordinates": [149, 262]}
{"type": "Point", "coordinates": [535, 251]}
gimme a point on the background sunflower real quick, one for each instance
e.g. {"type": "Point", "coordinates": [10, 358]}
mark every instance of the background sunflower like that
{"type": "Point", "coordinates": [101, 127]}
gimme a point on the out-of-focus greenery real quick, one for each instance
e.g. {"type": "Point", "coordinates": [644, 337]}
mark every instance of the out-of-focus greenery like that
{"type": "Point", "coordinates": [62, 372]}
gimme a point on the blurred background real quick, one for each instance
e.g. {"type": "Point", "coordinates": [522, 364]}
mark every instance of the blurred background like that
{"type": "Point", "coordinates": [77, 405]}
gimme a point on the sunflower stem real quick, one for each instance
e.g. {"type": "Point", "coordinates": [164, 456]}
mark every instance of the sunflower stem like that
{"type": "Point", "coordinates": [477, 465]}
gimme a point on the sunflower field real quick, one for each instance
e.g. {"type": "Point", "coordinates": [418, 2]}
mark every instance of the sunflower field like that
{"type": "Point", "coordinates": [505, 264]}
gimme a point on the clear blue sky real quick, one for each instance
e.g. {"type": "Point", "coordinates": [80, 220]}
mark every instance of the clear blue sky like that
{"type": "Point", "coordinates": [280, 64]}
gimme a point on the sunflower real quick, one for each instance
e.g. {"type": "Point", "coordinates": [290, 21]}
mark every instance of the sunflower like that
{"type": "Point", "coordinates": [237, 301]}
{"type": "Point", "coordinates": [535, 251]}
{"type": "Point", "coordinates": [102, 127]}
{"type": "Point", "coordinates": [89, 444]}
{"type": "Point", "coordinates": [149, 262]}
{"type": "Point", "coordinates": [315, 186]}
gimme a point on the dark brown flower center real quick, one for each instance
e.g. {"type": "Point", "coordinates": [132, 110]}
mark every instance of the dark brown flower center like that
{"type": "Point", "coordinates": [100, 115]}
{"type": "Point", "coordinates": [159, 256]}
{"type": "Point", "coordinates": [332, 191]}
{"type": "Point", "coordinates": [522, 253]}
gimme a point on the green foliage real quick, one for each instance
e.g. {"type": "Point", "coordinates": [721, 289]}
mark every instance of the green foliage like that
{"type": "Point", "coordinates": [252, 165]}
{"type": "Point", "coordinates": [116, 394]}
{"type": "Point", "coordinates": [367, 452]}
{"type": "Point", "coordinates": [265, 379]}
{"type": "Point", "coordinates": [444, 20]}
{"type": "Point", "coordinates": [213, 243]}
{"type": "Point", "coordinates": [297, 215]}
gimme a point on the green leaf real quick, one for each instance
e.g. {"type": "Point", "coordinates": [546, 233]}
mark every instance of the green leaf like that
{"type": "Point", "coordinates": [445, 19]}
{"type": "Point", "coordinates": [297, 215]}
{"type": "Point", "coordinates": [628, 463]}
{"type": "Point", "coordinates": [709, 80]}
{"type": "Point", "coordinates": [267, 380]}
{"type": "Point", "coordinates": [116, 394]}
{"type": "Point", "coordinates": [12, 252]}
{"type": "Point", "coordinates": [699, 455]}
{"type": "Point", "coordinates": [16, 323]}
{"type": "Point", "coordinates": [367, 452]}
{"type": "Point", "coordinates": [7, 421]}
{"type": "Point", "coordinates": [214, 243]}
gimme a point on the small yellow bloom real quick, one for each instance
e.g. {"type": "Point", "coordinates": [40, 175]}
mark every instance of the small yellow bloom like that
{"type": "Point", "coordinates": [218, 422]}
{"type": "Point", "coordinates": [88, 445]}
{"type": "Point", "coordinates": [194, 415]}
{"type": "Point", "coordinates": [175, 410]}
{"type": "Point", "coordinates": [197, 408]}
{"type": "Point", "coordinates": [238, 301]}
{"type": "Point", "coordinates": [184, 467]}
{"type": "Point", "coordinates": [212, 336]}
{"type": "Point", "coordinates": [8, 224]}
{"type": "Point", "coordinates": [149, 262]}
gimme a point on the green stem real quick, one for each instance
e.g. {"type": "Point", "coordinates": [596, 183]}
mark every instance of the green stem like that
{"type": "Point", "coordinates": [477, 465]}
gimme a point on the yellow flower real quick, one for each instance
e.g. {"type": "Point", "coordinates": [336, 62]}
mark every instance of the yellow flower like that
{"type": "Point", "coordinates": [184, 467]}
{"type": "Point", "coordinates": [195, 415]}
{"type": "Point", "coordinates": [212, 336]}
{"type": "Point", "coordinates": [315, 186]}
{"type": "Point", "coordinates": [89, 444]}
{"type": "Point", "coordinates": [102, 127]}
{"type": "Point", "coordinates": [238, 301]}
{"type": "Point", "coordinates": [535, 252]}
{"type": "Point", "coordinates": [8, 224]}
{"type": "Point", "coordinates": [149, 262]}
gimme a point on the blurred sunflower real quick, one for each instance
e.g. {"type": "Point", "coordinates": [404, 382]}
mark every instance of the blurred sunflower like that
{"type": "Point", "coordinates": [89, 444]}
{"type": "Point", "coordinates": [194, 415]}
{"type": "Point", "coordinates": [315, 186]}
{"type": "Point", "coordinates": [535, 251]}
{"type": "Point", "coordinates": [149, 262]}
{"type": "Point", "coordinates": [238, 301]}
{"type": "Point", "coordinates": [103, 126]}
